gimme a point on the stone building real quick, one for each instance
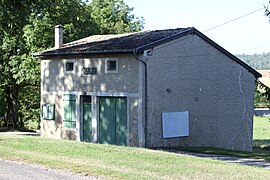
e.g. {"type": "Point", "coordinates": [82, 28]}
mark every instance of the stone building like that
{"type": "Point", "coordinates": [159, 88]}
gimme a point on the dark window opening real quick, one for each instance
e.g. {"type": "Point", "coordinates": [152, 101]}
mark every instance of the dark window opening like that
{"type": "Point", "coordinates": [111, 65]}
{"type": "Point", "coordinates": [69, 66]}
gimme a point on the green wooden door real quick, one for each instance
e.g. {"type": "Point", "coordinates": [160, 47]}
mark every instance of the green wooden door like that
{"type": "Point", "coordinates": [113, 120]}
{"type": "Point", "coordinates": [87, 119]}
{"type": "Point", "coordinates": [121, 121]}
{"type": "Point", "coordinates": [107, 120]}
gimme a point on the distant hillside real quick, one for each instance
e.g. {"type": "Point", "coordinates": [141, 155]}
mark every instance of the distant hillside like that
{"type": "Point", "coordinates": [257, 61]}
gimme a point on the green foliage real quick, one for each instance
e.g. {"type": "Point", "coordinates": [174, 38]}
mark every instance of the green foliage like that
{"type": "Point", "coordinates": [2, 107]}
{"type": "Point", "coordinates": [27, 26]}
{"type": "Point", "coordinates": [257, 61]}
{"type": "Point", "coordinates": [266, 89]}
{"type": "Point", "coordinates": [2, 104]}
{"type": "Point", "coordinates": [72, 14]}
{"type": "Point", "coordinates": [262, 95]}
{"type": "Point", "coordinates": [29, 107]}
{"type": "Point", "coordinates": [13, 16]}
{"type": "Point", "coordinates": [114, 17]}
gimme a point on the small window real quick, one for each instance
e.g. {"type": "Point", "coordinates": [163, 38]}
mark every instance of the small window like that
{"type": "Point", "coordinates": [111, 66]}
{"type": "Point", "coordinates": [48, 111]}
{"type": "Point", "coordinates": [69, 66]}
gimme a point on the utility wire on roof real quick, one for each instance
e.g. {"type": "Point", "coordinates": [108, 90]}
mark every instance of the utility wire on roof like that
{"type": "Point", "coordinates": [240, 17]}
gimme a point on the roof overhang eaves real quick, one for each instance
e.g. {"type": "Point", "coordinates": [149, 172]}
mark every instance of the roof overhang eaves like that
{"type": "Point", "coordinates": [201, 35]}
{"type": "Point", "coordinates": [165, 40]}
{"type": "Point", "coordinates": [86, 53]}
{"type": "Point", "coordinates": [149, 46]}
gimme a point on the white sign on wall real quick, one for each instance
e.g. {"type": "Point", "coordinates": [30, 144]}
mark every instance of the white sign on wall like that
{"type": "Point", "coordinates": [175, 124]}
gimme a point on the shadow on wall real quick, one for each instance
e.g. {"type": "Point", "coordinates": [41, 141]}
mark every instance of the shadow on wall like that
{"type": "Point", "coordinates": [51, 74]}
{"type": "Point", "coordinates": [55, 78]}
{"type": "Point", "coordinates": [58, 132]}
{"type": "Point", "coordinates": [115, 82]}
{"type": "Point", "coordinates": [69, 135]}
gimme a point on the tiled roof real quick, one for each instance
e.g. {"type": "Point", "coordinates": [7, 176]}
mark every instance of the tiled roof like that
{"type": "Point", "coordinates": [117, 43]}
{"type": "Point", "coordinates": [131, 43]}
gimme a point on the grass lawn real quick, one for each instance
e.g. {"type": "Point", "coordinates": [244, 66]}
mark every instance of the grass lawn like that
{"type": "Point", "coordinates": [261, 134]}
{"type": "Point", "coordinates": [261, 143]}
{"type": "Point", "coordinates": [116, 162]}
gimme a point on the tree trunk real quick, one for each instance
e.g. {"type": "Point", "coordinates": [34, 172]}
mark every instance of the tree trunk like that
{"type": "Point", "coordinates": [12, 103]}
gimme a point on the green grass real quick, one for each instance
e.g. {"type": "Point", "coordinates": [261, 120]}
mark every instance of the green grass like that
{"type": "Point", "coordinates": [116, 162]}
{"type": "Point", "coordinates": [261, 133]}
{"type": "Point", "coordinates": [261, 143]}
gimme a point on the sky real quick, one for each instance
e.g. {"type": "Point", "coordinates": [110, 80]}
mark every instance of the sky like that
{"type": "Point", "coordinates": [249, 34]}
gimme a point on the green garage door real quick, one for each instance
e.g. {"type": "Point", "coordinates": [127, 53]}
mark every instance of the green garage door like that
{"type": "Point", "coordinates": [113, 120]}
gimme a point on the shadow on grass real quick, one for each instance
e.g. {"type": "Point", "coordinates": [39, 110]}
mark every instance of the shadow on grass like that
{"type": "Point", "coordinates": [261, 150]}
{"type": "Point", "coordinates": [15, 129]}
{"type": "Point", "coordinates": [262, 144]}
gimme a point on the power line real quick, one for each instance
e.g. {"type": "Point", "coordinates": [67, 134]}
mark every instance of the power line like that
{"type": "Point", "coordinates": [234, 19]}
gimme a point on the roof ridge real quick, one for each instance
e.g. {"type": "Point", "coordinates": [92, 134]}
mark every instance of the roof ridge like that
{"type": "Point", "coordinates": [84, 40]}
{"type": "Point", "coordinates": [141, 38]}
{"type": "Point", "coordinates": [113, 36]}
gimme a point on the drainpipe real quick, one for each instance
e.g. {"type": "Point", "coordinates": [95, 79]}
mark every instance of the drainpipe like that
{"type": "Point", "coordinates": [145, 96]}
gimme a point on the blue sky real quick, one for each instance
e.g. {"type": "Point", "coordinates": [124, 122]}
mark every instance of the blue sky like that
{"type": "Point", "coordinates": [250, 34]}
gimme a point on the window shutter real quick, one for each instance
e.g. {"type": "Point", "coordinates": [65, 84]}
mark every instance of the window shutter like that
{"type": "Point", "coordinates": [51, 111]}
{"type": "Point", "coordinates": [69, 120]}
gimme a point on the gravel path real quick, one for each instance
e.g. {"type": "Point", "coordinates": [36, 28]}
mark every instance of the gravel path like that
{"type": "Point", "coordinates": [13, 170]}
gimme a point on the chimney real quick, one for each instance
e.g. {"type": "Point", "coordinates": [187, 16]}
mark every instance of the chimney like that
{"type": "Point", "coordinates": [58, 30]}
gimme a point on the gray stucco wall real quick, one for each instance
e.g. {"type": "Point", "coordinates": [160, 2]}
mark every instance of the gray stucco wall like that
{"type": "Point", "coordinates": [55, 83]}
{"type": "Point", "coordinates": [216, 91]}
{"type": "Point", "coordinates": [55, 78]}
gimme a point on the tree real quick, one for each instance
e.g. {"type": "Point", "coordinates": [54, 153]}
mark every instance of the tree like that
{"type": "Point", "coordinates": [114, 17]}
{"type": "Point", "coordinates": [266, 92]}
{"type": "Point", "coordinates": [262, 95]}
{"type": "Point", "coordinates": [265, 95]}
{"type": "Point", "coordinates": [13, 15]}
{"type": "Point", "coordinates": [26, 27]}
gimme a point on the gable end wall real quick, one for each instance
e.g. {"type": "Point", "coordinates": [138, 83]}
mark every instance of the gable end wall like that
{"type": "Point", "coordinates": [216, 91]}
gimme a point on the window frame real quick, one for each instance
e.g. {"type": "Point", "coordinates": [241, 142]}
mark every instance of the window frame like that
{"type": "Point", "coordinates": [50, 111]}
{"type": "Point", "coordinates": [107, 61]}
{"type": "Point", "coordinates": [65, 66]}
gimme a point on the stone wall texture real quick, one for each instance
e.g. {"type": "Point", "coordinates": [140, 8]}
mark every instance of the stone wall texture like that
{"type": "Point", "coordinates": [216, 91]}
{"type": "Point", "coordinates": [186, 74]}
